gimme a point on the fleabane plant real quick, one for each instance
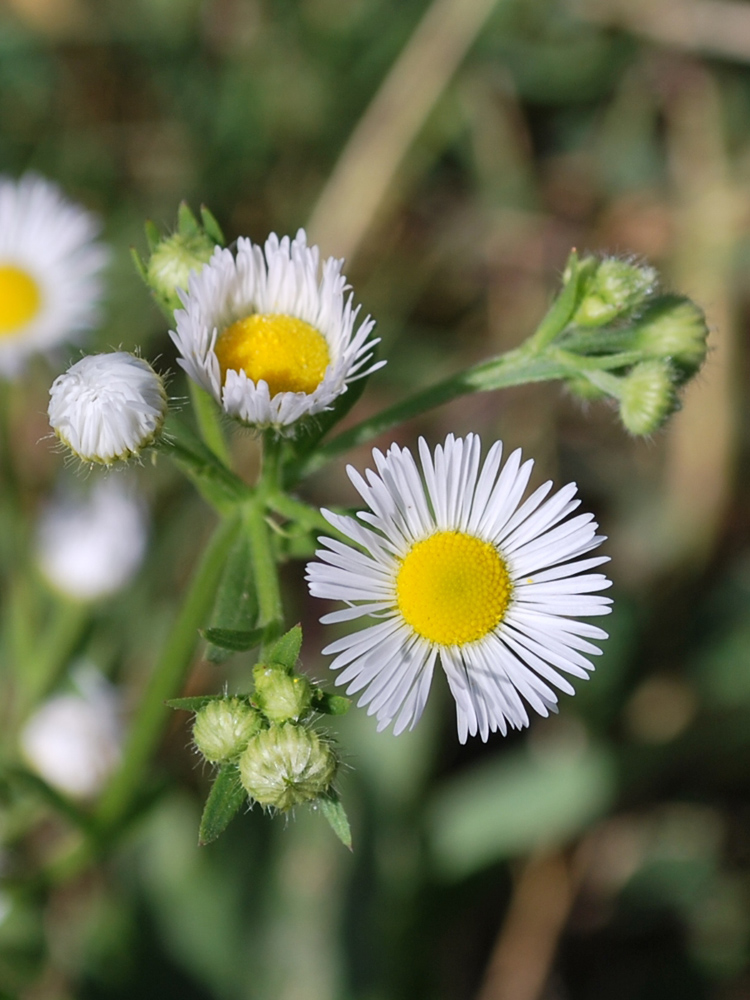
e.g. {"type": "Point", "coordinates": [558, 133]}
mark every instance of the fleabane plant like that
{"type": "Point", "coordinates": [452, 563]}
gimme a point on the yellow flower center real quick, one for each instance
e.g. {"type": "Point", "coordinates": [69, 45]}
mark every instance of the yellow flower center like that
{"type": "Point", "coordinates": [453, 588]}
{"type": "Point", "coordinates": [288, 353]}
{"type": "Point", "coordinates": [20, 299]}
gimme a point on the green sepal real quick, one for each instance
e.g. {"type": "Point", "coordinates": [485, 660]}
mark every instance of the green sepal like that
{"type": "Point", "coordinates": [236, 606]}
{"type": "Point", "coordinates": [225, 799]}
{"type": "Point", "coordinates": [153, 236]}
{"type": "Point", "coordinates": [139, 265]}
{"type": "Point", "coordinates": [330, 704]}
{"type": "Point", "coordinates": [334, 812]}
{"type": "Point", "coordinates": [285, 651]}
{"type": "Point", "coordinates": [187, 224]}
{"type": "Point", "coordinates": [212, 227]}
{"type": "Point", "coordinates": [233, 640]}
{"type": "Point", "coordinates": [194, 703]}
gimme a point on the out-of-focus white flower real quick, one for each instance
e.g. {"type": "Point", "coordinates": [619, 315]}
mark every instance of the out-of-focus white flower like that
{"type": "Point", "coordinates": [89, 547]}
{"type": "Point", "coordinates": [74, 741]}
{"type": "Point", "coordinates": [108, 407]}
{"type": "Point", "coordinates": [50, 269]}
{"type": "Point", "coordinates": [269, 334]}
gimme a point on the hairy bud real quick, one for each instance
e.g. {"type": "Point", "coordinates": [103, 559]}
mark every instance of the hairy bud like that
{"type": "Point", "coordinates": [286, 765]}
{"type": "Point", "coordinates": [280, 697]}
{"type": "Point", "coordinates": [223, 728]}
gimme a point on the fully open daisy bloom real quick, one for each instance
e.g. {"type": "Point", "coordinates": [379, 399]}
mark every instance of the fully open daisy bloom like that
{"type": "Point", "coordinates": [269, 336]}
{"type": "Point", "coordinates": [50, 270]}
{"type": "Point", "coordinates": [457, 567]}
{"type": "Point", "coordinates": [108, 407]}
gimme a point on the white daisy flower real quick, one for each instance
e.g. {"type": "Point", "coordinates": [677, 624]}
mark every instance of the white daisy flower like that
{"type": "Point", "coordinates": [50, 264]}
{"type": "Point", "coordinates": [267, 337]}
{"type": "Point", "coordinates": [90, 547]}
{"type": "Point", "coordinates": [458, 568]}
{"type": "Point", "coordinates": [108, 407]}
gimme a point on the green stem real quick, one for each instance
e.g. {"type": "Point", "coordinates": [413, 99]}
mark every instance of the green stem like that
{"type": "Point", "coordinates": [167, 679]}
{"type": "Point", "coordinates": [265, 572]}
{"type": "Point", "coordinates": [53, 649]}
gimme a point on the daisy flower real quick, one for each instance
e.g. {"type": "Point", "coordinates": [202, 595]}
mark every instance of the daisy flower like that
{"type": "Point", "coordinates": [108, 407]}
{"type": "Point", "coordinates": [457, 568]}
{"type": "Point", "coordinates": [269, 335]}
{"type": "Point", "coordinates": [50, 267]}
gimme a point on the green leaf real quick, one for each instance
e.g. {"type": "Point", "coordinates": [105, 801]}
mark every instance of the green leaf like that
{"type": "Point", "coordinates": [212, 227]}
{"type": "Point", "coordinates": [217, 484]}
{"type": "Point", "coordinates": [234, 640]}
{"type": "Point", "coordinates": [518, 803]}
{"type": "Point", "coordinates": [224, 800]}
{"type": "Point", "coordinates": [334, 812]}
{"type": "Point", "coordinates": [330, 704]}
{"type": "Point", "coordinates": [139, 265]}
{"type": "Point", "coordinates": [192, 704]}
{"type": "Point", "coordinates": [236, 605]}
{"type": "Point", "coordinates": [285, 651]}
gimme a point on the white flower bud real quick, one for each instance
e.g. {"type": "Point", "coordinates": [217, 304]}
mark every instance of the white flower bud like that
{"type": "Point", "coordinates": [89, 547]}
{"type": "Point", "coordinates": [286, 765]}
{"type": "Point", "coordinates": [108, 407]}
{"type": "Point", "coordinates": [223, 727]}
{"type": "Point", "coordinates": [74, 741]}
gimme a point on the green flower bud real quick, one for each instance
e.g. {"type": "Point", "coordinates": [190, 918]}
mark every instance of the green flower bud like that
{"type": "Point", "coordinates": [647, 397]}
{"type": "Point", "coordinates": [614, 288]}
{"type": "Point", "coordinates": [674, 329]}
{"type": "Point", "coordinates": [286, 765]}
{"type": "Point", "coordinates": [280, 697]}
{"type": "Point", "coordinates": [171, 262]}
{"type": "Point", "coordinates": [223, 727]}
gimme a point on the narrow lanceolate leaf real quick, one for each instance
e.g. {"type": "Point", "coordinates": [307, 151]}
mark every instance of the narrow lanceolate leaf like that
{"type": "Point", "coordinates": [330, 704]}
{"type": "Point", "coordinates": [333, 810]}
{"type": "Point", "coordinates": [285, 651]}
{"type": "Point", "coordinates": [233, 640]}
{"type": "Point", "coordinates": [224, 800]}
{"type": "Point", "coordinates": [236, 606]}
{"type": "Point", "coordinates": [192, 704]}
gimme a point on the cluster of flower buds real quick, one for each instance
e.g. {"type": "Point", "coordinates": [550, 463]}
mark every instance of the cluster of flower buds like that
{"type": "Point", "coordinates": [626, 341]}
{"type": "Point", "coordinates": [265, 741]}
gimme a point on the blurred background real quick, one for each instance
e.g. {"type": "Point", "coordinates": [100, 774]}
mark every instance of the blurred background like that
{"type": "Point", "coordinates": [454, 153]}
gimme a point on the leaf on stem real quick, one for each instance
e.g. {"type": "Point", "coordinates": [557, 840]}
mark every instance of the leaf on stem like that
{"type": "Point", "coordinates": [224, 801]}
{"type": "Point", "coordinates": [235, 611]}
{"type": "Point", "coordinates": [334, 812]}
{"type": "Point", "coordinates": [330, 704]}
{"type": "Point", "coordinates": [285, 651]}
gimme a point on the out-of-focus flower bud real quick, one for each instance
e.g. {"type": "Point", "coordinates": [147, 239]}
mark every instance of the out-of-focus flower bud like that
{"type": "Point", "coordinates": [673, 329]}
{"type": "Point", "coordinates": [286, 765]}
{"type": "Point", "coordinates": [280, 697]}
{"type": "Point", "coordinates": [89, 547]}
{"type": "Point", "coordinates": [223, 728]}
{"type": "Point", "coordinates": [172, 262]}
{"type": "Point", "coordinates": [108, 407]}
{"type": "Point", "coordinates": [612, 289]}
{"type": "Point", "coordinates": [74, 741]}
{"type": "Point", "coordinates": [647, 397]}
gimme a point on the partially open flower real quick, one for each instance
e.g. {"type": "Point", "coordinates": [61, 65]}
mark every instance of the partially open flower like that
{"type": "Point", "coordinates": [50, 266]}
{"type": "Point", "coordinates": [108, 407]}
{"type": "Point", "coordinates": [268, 336]}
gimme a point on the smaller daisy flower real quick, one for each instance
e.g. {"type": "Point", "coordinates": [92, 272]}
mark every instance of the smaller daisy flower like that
{"type": "Point", "coordinates": [108, 407]}
{"type": "Point", "coordinates": [458, 569]}
{"type": "Point", "coordinates": [90, 547]}
{"type": "Point", "coordinates": [50, 266]}
{"type": "Point", "coordinates": [267, 337]}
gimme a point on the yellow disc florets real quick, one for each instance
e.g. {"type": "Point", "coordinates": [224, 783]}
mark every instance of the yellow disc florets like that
{"type": "Point", "coordinates": [287, 353]}
{"type": "Point", "coordinates": [453, 588]}
{"type": "Point", "coordinates": [20, 299]}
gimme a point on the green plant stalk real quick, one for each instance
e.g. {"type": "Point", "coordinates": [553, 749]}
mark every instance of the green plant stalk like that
{"type": "Point", "coordinates": [51, 652]}
{"type": "Point", "coordinates": [265, 572]}
{"type": "Point", "coordinates": [167, 679]}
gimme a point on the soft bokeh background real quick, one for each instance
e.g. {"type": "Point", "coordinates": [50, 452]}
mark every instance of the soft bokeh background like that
{"type": "Point", "coordinates": [454, 153]}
